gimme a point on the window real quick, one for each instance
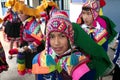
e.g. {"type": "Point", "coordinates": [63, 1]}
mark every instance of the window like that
{"type": "Point", "coordinates": [66, 4]}
{"type": "Point", "coordinates": [3, 4]}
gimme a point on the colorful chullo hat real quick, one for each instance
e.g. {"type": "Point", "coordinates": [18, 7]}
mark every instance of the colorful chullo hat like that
{"type": "Point", "coordinates": [60, 22]}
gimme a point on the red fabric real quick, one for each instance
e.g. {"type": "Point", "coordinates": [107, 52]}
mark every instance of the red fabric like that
{"type": "Point", "coordinates": [26, 27]}
{"type": "Point", "coordinates": [7, 17]}
{"type": "Point", "coordinates": [43, 15]}
{"type": "Point", "coordinates": [13, 51]}
{"type": "Point", "coordinates": [102, 3]}
{"type": "Point", "coordinates": [37, 42]}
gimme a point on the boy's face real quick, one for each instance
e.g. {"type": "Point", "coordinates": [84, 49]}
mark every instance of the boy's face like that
{"type": "Point", "coordinates": [87, 17]}
{"type": "Point", "coordinates": [58, 42]}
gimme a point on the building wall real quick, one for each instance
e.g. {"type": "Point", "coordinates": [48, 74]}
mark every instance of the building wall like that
{"type": "Point", "coordinates": [112, 11]}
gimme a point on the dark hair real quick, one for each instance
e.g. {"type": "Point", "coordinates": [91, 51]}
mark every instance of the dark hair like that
{"type": "Point", "coordinates": [86, 8]}
{"type": "Point", "coordinates": [48, 9]}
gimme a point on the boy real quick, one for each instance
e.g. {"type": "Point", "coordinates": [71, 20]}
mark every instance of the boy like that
{"type": "Point", "coordinates": [61, 59]}
{"type": "Point", "coordinates": [100, 28]}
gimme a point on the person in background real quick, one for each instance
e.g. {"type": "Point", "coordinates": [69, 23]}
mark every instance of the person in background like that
{"type": "Point", "coordinates": [48, 8]}
{"type": "Point", "coordinates": [3, 63]}
{"type": "Point", "coordinates": [91, 25]}
{"type": "Point", "coordinates": [99, 28]}
{"type": "Point", "coordinates": [31, 38]}
{"type": "Point", "coordinates": [11, 26]}
{"type": "Point", "coordinates": [116, 60]}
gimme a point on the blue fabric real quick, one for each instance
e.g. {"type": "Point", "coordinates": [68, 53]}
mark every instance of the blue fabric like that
{"type": "Point", "coordinates": [91, 35]}
{"type": "Point", "coordinates": [51, 76]}
{"type": "Point", "coordinates": [74, 59]}
{"type": "Point", "coordinates": [35, 59]}
{"type": "Point", "coordinates": [89, 75]}
{"type": "Point", "coordinates": [105, 46]}
{"type": "Point", "coordinates": [49, 60]}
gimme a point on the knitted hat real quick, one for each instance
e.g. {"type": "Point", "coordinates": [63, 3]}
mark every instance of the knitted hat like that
{"type": "Point", "coordinates": [93, 5]}
{"type": "Point", "coordinates": [60, 22]}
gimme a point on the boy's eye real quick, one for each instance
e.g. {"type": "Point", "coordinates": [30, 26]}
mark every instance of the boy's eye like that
{"type": "Point", "coordinates": [89, 13]}
{"type": "Point", "coordinates": [52, 36]}
{"type": "Point", "coordinates": [62, 35]}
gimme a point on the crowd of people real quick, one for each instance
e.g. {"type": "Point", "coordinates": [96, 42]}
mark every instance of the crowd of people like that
{"type": "Point", "coordinates": [64, 50]}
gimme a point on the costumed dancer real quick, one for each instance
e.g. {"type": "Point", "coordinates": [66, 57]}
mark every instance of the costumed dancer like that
{"type": "Point", "coordinates": [3, 64]}
{"type": "Point", "coordinates": [96, 26]}
{"type": "Point", "coordinates": [68, 55]}
{"type": "Point", "coordinates": [31, 37]}
{"type": "Point", "coordinates": [48, 9]}
{"type": "Point", "coordinates": [11, 25]}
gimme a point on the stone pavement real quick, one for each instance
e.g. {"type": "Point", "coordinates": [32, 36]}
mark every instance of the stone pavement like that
{"type": "Point", "coordinates": [12, 74]}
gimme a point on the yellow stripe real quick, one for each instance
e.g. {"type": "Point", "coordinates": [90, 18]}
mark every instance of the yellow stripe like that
{"type": "Point", "coordinates": [103, 40]}
{"type": "Point", "coordinates": [21, 67]}
{"type": "Point", "coordinates": [101, 12]}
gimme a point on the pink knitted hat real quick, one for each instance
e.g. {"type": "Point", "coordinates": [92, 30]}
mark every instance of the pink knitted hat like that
{"type": "Point", "coordinates": [60, 22]}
